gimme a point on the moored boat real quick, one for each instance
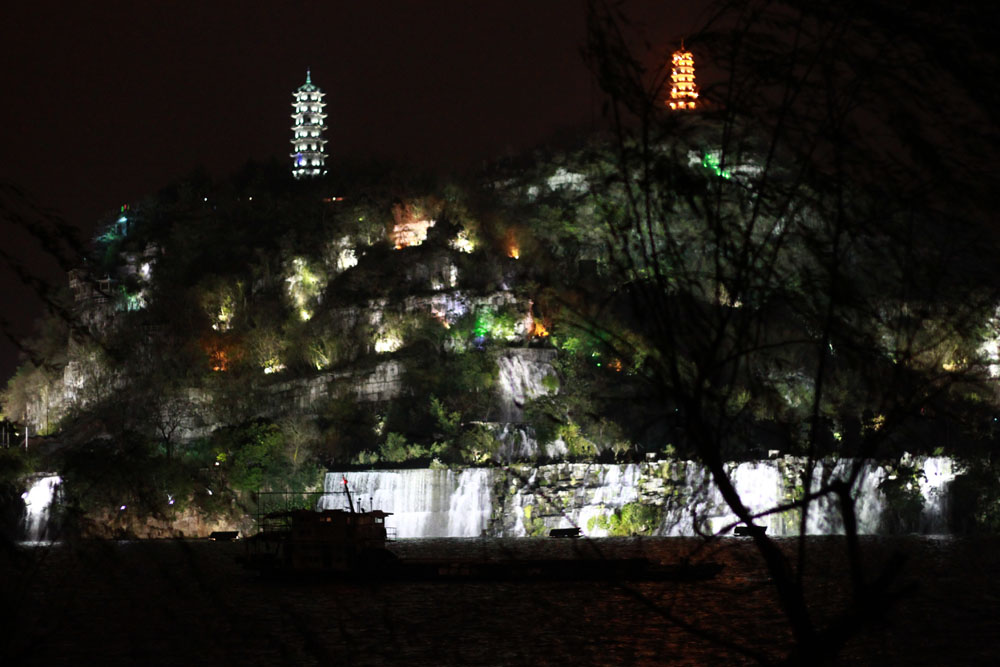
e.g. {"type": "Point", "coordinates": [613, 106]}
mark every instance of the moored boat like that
{"type": "Point", "coordinates": [351, 543]}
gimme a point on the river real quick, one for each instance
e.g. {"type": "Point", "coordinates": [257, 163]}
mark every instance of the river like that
{"type": "Point", "coordinates": [189, 602]}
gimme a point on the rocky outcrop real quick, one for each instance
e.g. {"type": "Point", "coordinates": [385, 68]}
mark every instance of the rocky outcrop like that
{"type": "Point", "coordinates": [185, 524]}
{"type": "Point", "coordinates": [523, 374]}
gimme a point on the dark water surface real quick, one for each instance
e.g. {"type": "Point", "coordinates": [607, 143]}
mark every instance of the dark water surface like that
{"type": "Point", "coordinates": [189, 602]}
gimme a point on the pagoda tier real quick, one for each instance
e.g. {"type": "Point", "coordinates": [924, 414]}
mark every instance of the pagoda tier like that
{"type": "Point", "coordinates": [310, 137]}
{"type": "Point", "coordinates": [308, 152]}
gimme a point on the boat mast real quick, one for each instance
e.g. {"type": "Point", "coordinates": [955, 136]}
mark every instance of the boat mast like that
{"type": "Point", "coordinates": [350, 503]}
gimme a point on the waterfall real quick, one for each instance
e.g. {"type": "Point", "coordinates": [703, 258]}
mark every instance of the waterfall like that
{"type": "Point", "coordinates": [763, 485]}
{"type": "Point", "coordinates": [616, 486]}
{"type": "Point", "coordinates": [760, 486]}
{"type": "Point", "coordinates": [520, 378]}
{"type": "Point", "coordinates": [423, 503]}
{"type": "Point", "coordinates": [518, 443]}
{"type": "Point", "coordinates": [521, 371]}
{"type": "Point", "coordinates": [38, 501]}
{"type": "Point", "coordinates": [549, 497]}
{"type": "Point", "coordinates": [470, 506]}
{"type": "Point", "coordinates": [939, 473]}
{"type": "Point", "coordinates": [684, 501]}
{"type": "Point", "coordinates": [871, 506]}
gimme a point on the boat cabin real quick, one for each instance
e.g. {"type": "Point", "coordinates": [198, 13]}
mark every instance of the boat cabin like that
{"type": "Point", "coordinates": [326, 540]}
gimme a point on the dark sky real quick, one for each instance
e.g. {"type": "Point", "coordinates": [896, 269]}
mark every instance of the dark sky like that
{"type": "Point", "coordinates": [105, 102]}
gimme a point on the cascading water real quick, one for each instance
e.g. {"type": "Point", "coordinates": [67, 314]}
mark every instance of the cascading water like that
{"type": "Point", "coordinates": [502, 503]}
{"type": "Point", "coordinates": [38, 502]}
{"type": "Point", "coordinates": [423, 503]}
{"type": "Point", "coordinates": [520, 378]}
{"type": "Point", "coordinates": [759, 484]}
{"type": "Point", "coordinates": [869, 507]}
{"type": "Point", "coordinates": [763, 485]}
{"type": "Point", "coordinates": [471, 503]}
{"type": "Point", "coordinates": [617, 485]}
{"type": "Point", "coordinates": [939, 472]}
{"type": "Point", "coordinates": [518, 443]}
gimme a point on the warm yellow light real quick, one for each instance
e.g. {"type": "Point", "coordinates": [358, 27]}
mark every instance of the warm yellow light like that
{"type": "Point", "coordinates": [411, 233]}
{"type": "Point", "coordinates": [410, 226]}
{"type": "Point", "coordinates": [388, 341]}
{"type": "Point", "coordinates": [272, 365]}
{"type": "Point", "coordinates": [219, 360]}
{"type": "Point", "coordinates": [463, 242]}
{"type": "Point", "coordinates": [683, 91]}
{"type": "Point", "coordinates": [513, 247]}
{"type": "Point", "coordinates": [440, 317]}
{"type": "Point", "coordinates": [952, 366]}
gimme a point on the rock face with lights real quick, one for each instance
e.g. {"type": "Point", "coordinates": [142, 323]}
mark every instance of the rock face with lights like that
{"type": "Point", "coordinates": [257, 332]}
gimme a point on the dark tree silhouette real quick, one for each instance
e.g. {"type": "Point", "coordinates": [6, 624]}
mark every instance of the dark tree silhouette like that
{"type": "Point", "coordinates": [36, 237]}
{"type": "Point", "coordinates": [812, 244]}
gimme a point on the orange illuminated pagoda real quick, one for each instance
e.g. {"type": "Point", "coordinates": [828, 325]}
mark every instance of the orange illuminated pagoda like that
{"type": "Point", "coordinates": [683, 91]}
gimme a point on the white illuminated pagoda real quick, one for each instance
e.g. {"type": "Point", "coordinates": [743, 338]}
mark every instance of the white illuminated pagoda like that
{"type": "Point", "coordinates": [308, 158]}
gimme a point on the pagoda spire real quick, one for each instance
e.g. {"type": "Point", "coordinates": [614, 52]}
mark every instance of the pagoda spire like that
{"type": "Point", "coordinates": [683, 91]}
{"type": "Point", "coordinates": [308, 156]}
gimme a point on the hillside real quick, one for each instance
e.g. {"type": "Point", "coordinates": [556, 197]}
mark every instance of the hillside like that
{"type": "Point", "coordinates": [254, 332]}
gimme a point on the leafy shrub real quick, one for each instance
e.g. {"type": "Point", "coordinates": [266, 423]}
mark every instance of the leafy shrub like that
{"type": "Point", "coordinates": [631, 519]}
{"type": "Point", "coordinates": [255, 457]}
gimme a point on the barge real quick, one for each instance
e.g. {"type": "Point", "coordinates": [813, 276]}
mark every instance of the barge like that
{"type": "Point", "coordinates": [351, 544]}
{"type": "Point", "coordinates": [297, 540]}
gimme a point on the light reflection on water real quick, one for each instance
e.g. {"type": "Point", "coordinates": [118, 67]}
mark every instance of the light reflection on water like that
{"type": "Point", "coordinates": [189, 602]}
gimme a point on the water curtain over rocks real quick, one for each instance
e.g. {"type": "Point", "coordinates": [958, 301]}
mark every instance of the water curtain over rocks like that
{"type": "Point", "coordinates": [665, 498]}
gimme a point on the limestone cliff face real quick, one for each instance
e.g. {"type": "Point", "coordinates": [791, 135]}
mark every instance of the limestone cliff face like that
{"type": "Point", "coordinates": [188, 524]}
{"type": "Point", "coordinates": [522, 375]}
{"type": "Point", "coordinates": [88, 377]}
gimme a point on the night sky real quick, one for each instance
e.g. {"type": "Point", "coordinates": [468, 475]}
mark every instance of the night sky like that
{"type": "Point", "coordinates": [106, 102]}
